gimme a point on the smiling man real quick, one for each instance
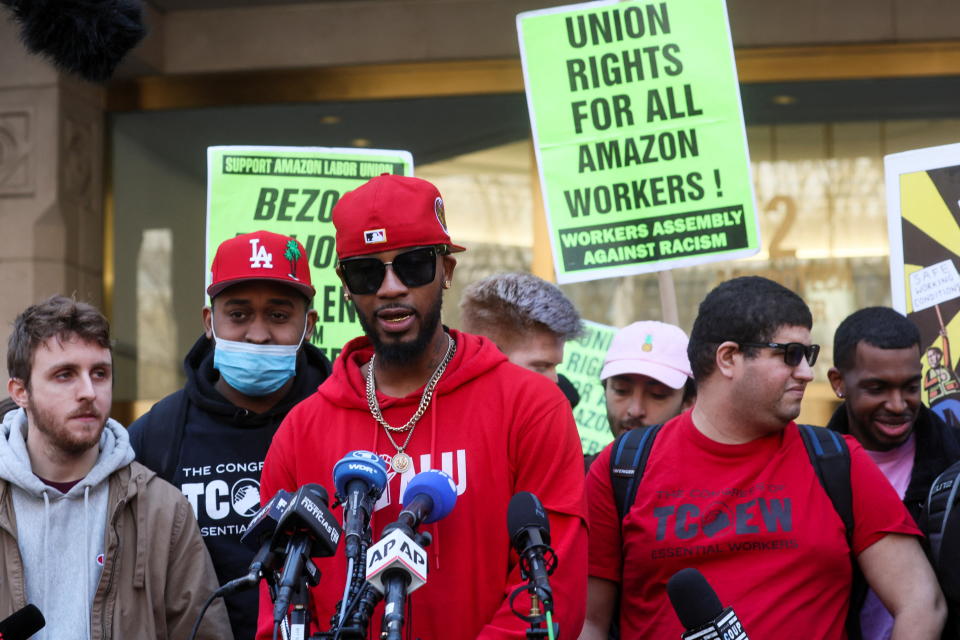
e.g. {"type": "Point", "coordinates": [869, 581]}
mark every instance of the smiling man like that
{"type": "Point", "coordinates": [877, 374]}
{"type": "Point", "coordinates": [99, 543]}
{"type": "Point", "coordinates": [729, 488]}
{"type": "Point", "coordinates": [424, 397]}
{"type": "Point", "coordinates": [253, 363]}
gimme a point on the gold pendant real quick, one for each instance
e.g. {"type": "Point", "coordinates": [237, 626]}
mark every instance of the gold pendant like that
{"type": "Point", "coordinates": [401, 462]}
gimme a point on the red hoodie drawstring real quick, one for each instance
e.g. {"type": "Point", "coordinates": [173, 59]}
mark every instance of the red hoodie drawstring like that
{"type": "Point", "coordinates": [436, 464]}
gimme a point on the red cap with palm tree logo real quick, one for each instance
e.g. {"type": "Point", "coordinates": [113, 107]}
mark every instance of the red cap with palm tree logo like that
{"type": "Point", "coordinates": [261, 255]}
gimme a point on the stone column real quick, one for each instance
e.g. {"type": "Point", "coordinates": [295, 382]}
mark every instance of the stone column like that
{"type": "Point", "coordinates": [51, 183]}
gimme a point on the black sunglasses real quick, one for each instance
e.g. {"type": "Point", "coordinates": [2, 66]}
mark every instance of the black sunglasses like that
{"type": "Point", "coordinates": [793, 352]}
{"type": "Point", "coordinates": [414, 268]}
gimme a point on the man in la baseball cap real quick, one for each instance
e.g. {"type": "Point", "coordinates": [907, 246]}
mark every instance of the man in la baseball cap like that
{"type": "Point", "coordinates": [253, 363]}
{"type": "Point", "coordinates": [421, 396]}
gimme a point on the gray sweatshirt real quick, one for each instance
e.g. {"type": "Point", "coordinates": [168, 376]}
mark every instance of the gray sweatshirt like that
{"type": "Point", "coordinates": [61, 536]}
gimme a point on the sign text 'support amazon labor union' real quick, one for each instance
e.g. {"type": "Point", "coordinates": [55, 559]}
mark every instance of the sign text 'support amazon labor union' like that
{"type": "Point", "coordinates": [292, 190]}
{"type": "Point", "coordinates": [639, 134]}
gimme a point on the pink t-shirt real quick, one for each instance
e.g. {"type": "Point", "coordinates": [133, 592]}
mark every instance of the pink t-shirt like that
{"type": "Point", "coordinates": [876, 623]}
{"type": "Point", "coordinates": [753, 518]}
{"type": "Point", "coordinates": [897, 464]}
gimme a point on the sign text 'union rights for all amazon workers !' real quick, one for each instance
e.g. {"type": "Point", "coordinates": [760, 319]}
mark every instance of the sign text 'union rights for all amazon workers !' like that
{"type": "Point", "coordinates": [639, 134]}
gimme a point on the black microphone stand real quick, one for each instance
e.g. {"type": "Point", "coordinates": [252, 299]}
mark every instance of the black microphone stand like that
{"type": "Point", "coordinates": [299, 618]}
{"type": "Point", "coordinates": [541, 599]}
{"type": "Point", "coordinates": [392, 625]}
{"type": "Point", "coordinates": [360, 602]}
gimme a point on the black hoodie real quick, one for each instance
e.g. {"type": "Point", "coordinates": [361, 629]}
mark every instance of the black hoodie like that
{"type": "Point", "coordinates": [938, 446]}
{"type": "Point", "coordinates": [213, 451]}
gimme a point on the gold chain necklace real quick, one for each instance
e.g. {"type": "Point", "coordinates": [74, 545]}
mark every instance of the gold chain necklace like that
{"type": "Point", "coordinates": [401, 461]}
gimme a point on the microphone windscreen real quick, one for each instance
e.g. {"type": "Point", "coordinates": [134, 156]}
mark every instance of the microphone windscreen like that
{"type": "Point", "coordinates": [360, 465]}
{"type": "Point", "coordinates": [317, 492]}
{"type": "Point", "coordinates": [22, 623]}
{"type": "Point", "coordinates": [694, 600]}
{"type": "Point", "coordinates": [524, 511]}
{"type": "Point", "coordinates": [309, 514]}
{"type": "Point", "coordinates": [263, 524]}
{"type": "Point", "coordinates": [86, 37]}
{"type": "Point", "coordinates": [439, 487]}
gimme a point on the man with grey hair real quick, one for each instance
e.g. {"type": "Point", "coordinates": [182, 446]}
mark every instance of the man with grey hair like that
{"type": "Point", "coordinates": [528, 318]}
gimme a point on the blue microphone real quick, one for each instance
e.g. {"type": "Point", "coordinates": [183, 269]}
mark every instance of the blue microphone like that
{"type": "Point", "coordinates": [360, 477]}
{"type": "Point", "coordinates": [429, 496]}
{"type": "Point", "coordinates": [397, 564]}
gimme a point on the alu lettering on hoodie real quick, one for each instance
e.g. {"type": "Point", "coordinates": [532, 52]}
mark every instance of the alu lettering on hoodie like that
{"type": "Point", "coordinates": [397, 483]}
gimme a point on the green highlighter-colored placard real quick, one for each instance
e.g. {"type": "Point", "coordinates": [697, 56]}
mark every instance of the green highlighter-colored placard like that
{"type": "Point", "coordinates": [639, 135]}
{"type": "Point", "coordinates": [292, 190]}
{"type": "Point", "coordinates": [582, 362]}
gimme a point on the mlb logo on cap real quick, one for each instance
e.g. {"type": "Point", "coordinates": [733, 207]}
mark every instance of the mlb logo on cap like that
{"type": "Point", "coordinates": [375, 236]}
{"type": "Point", "coordinates": [390, 212]}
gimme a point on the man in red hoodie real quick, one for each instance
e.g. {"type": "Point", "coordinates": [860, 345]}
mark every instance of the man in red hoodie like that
{"type": "Point", "coordinates": [425, 397]}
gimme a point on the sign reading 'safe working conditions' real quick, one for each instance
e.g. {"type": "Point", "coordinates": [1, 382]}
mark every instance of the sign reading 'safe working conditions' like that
{"type": "Point", "coordinates": [639, 135]}
{"type": "Point", "coordinates": [292, 190]}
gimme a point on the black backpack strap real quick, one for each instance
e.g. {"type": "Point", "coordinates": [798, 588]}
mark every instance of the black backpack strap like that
{"type": "Point", "coordinates": [628, 460]}
{"type": "Point", "coordinates": [940, 523]}
{"type": "Point", "coordinates": [939, 505]}
{"type": "Point", "coordinates": [830, 458]}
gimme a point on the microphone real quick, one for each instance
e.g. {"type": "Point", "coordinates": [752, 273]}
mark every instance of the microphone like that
{"type": "Point", "coordinates": [699, 608]}
{"type": "Point", "coordinates": [311, 532]}
{"type": "Point", "coordinates": [80, 36]}
{"type": "Point", "coordinates": [259, 537]}
{"type": "Point", "coordinates": [397, 563]}
{"type": "Point", "coordinates": [22, 624]}
{"type": "Point", "coordinates": [529, 531]}
{"type": "Point", "coordinates": [430, 496]}
{"type": "Point", "coordinates": [360, 477]}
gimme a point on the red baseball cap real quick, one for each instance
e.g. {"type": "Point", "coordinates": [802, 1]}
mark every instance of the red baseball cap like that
{"type": "Point", "coordinates": [261, 255]}
{"type": "Point", "coordinates": [390, 212]}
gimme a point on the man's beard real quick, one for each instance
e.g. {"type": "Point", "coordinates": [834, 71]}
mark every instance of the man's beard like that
{"type": "Point", "coordinates": [401, 352]}
{"type": "Point", "coordinates": [617, 425]}
{"type": "Point", "coordinates": [59, 436]}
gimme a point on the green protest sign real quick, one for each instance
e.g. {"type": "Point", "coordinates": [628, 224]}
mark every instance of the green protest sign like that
{"type": "Point", "coordinates": [292, 190]}
{"type": "Point", "coordinates": [639, 135]}
{"type": "Point", "coordinates": [582, 362]}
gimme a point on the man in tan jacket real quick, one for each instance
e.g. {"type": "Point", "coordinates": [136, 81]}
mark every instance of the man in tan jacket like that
{"type": "Point", "coordinates": [102, 546]}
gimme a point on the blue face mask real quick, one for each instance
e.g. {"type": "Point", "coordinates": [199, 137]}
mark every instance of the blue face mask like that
{"type": "Point", "coordinates": [255, 369]}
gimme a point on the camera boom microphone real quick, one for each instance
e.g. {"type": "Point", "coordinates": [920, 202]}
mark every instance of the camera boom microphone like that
{"type": "Point", "coordinates": [80, 36]}
{"type": "Point", "coordinates": [699, 608]}
{"type": "Point", "coordinates": [311, 532]}
{"type": "Point", "coordinates": [360, 477]}
{"type": "Point", "coordinates": [22, 623]}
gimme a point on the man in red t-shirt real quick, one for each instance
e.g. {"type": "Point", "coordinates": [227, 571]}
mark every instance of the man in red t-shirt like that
{"type": "Point", "coordinates": [424, 397]}
{"type": "Point", "coordinates": [730, 490]}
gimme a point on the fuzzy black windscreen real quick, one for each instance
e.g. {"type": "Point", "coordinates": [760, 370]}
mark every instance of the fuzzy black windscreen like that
{"type": "Point", "coordinates": [86, 37]}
